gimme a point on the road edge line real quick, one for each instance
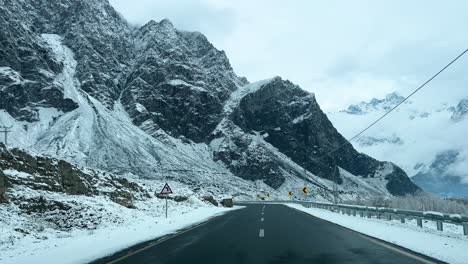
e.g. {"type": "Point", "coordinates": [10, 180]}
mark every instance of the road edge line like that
{"type": "Point", "coordinates": [394, 247]}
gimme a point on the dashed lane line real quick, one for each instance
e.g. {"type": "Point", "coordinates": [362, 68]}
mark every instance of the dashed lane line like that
{"type": "Point", "coordinates": [262, 233]}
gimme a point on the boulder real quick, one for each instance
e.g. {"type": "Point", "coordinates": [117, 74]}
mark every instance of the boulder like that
{"type": "Point", "coordinates": [123, 198]}
{"type": "Point", "coordinates": [210, 199]}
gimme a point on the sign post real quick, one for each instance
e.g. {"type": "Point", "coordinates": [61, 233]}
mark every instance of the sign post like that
{"type": "Point", "coordinates": [166, 191]}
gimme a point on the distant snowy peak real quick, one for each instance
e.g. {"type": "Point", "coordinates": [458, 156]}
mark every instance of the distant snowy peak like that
{"type": "Point", "coordinates": [390, 101]}
{"type": "Point", "coordinates": [371, 141]}
{"type": "Point", "coordinates": [460, 111]}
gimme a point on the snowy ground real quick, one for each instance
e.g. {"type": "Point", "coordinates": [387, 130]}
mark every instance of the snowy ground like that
{"type": "Point", "coordinates": [124, 227]}
{"type": "Point", "coordinates": [450, 245]}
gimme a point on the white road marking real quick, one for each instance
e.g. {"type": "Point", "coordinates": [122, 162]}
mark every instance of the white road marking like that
{"type": "Point", "coordinates": [262, 233]}
{"type": "Point", "coordinates": [389, 246]}
{"type": "Point", "coordinates": [262, 213]}
{"type": "Point", "coordinates": [262, 219]}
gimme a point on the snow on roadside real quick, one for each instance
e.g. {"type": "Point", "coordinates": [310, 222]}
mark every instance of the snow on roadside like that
{"type": "Point", "coordinates": [83, 246]}
{"type": "Point", "coordinates": [446, 246]}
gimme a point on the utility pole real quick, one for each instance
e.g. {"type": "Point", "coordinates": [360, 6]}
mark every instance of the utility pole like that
{"type": "Point", "coordinates": [5, 130]}
{"type": "Point", "coordinates": [335, 186]}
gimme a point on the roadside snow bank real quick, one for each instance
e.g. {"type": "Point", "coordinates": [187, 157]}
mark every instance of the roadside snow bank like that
{"type": "Point", "coordinates": [83, 246]}
{"type": "Point", "coordinates": [448, 246]}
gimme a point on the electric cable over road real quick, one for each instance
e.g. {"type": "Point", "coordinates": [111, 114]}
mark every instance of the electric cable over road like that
{"type": "Point", "coordinates": [389, 111]}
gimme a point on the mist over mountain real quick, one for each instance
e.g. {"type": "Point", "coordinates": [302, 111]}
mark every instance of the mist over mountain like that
{"type": "Point", "coordinates": [427, 141]}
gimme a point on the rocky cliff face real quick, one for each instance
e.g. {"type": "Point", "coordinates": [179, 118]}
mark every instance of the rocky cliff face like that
{"type": "Point", "coordinates": [157, 101]}
{"type": "Point", "coordinates": [290, 120]}
{"type": "Point", "coordinates": [179, 82]}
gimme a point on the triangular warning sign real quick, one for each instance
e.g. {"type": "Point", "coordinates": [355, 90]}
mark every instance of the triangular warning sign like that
{"type": "Point", "coordinates": [166, 189]}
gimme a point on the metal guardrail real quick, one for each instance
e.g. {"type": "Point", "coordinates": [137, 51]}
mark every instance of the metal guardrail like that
{"type": "Point", "coordinates": [381, 213]}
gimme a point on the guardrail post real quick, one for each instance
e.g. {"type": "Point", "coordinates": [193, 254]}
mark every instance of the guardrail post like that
{"type": "Point", "coordinates": [361, 213]}
{"type": "Point", "coordinates": [389, 217]}
{"type": "Point", "coordinates": [402, 219]}
{"type": "Point", "coordinates": [354, 212]}
{"type": "Point", "coordinates": [440, 226]}
{"type": "Point", "coordinates": [420, 222]}
{"type": "Point", "coordinates": [465, 229]}
{"type": "Point", "coordinates": [379, 215]}
{"type": "Point", "coordinates": [369, 214]}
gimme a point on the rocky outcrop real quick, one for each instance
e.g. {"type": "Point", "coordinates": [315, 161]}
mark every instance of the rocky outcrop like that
{"type": "Point", "coordinates": [3, 187]}
{"type": "Point", "coordinates": [53, 175]}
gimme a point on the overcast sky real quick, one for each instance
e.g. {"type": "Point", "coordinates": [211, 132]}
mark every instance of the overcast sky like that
{"type": "Point", "coordinates": [343, 51]}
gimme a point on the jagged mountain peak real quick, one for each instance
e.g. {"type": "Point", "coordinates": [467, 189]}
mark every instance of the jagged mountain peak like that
{"type": "Point", "coordinates": [460, 111]}
{"type": "Point", "coordinates": [163, 30]}
{"type": "Point", "coordinates": [375, 104]}
{"type": "Point", "coordinates": [166, 23]}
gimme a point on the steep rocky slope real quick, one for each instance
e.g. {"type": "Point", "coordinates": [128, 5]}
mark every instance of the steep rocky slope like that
{"type": "Point", "coordinates": [79, 83]}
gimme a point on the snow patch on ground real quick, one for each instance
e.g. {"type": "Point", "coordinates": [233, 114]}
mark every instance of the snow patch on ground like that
{"type": "Point", "coordinates": [121, 229]}
{"type": "Point", "coordinates": [450, 245]}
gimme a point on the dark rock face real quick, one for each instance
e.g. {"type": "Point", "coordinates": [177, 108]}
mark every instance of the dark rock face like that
{"type": "Point", "coordinates": [399, 184]}
{"type": "Point", "coordinates": [290, 120]}
{"type": "Point", "coordinates": [179, 82]}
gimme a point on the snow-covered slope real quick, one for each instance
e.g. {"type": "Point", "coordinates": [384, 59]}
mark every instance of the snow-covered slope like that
{"type": "Point", "coordinates": [428, 142]}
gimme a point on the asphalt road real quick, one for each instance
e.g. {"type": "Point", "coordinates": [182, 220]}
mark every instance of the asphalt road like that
{"type": "Point", "coordinates": [266, 234]}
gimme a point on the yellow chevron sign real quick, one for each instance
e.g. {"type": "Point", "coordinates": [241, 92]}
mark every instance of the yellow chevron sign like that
{"type": "Point", "coordinates": [290, 193]}
{"type": "Point", "coordinates": [305, 190]}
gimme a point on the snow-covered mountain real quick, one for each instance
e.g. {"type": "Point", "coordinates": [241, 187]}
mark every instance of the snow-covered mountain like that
{"type": "Point", "coordinates": [428, 142]}
{"type": "Point", "coordinates": [77, 82]}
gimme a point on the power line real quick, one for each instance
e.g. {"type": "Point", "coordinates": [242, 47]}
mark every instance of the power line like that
{"type": "Point", "coordinates": [391, 110]}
